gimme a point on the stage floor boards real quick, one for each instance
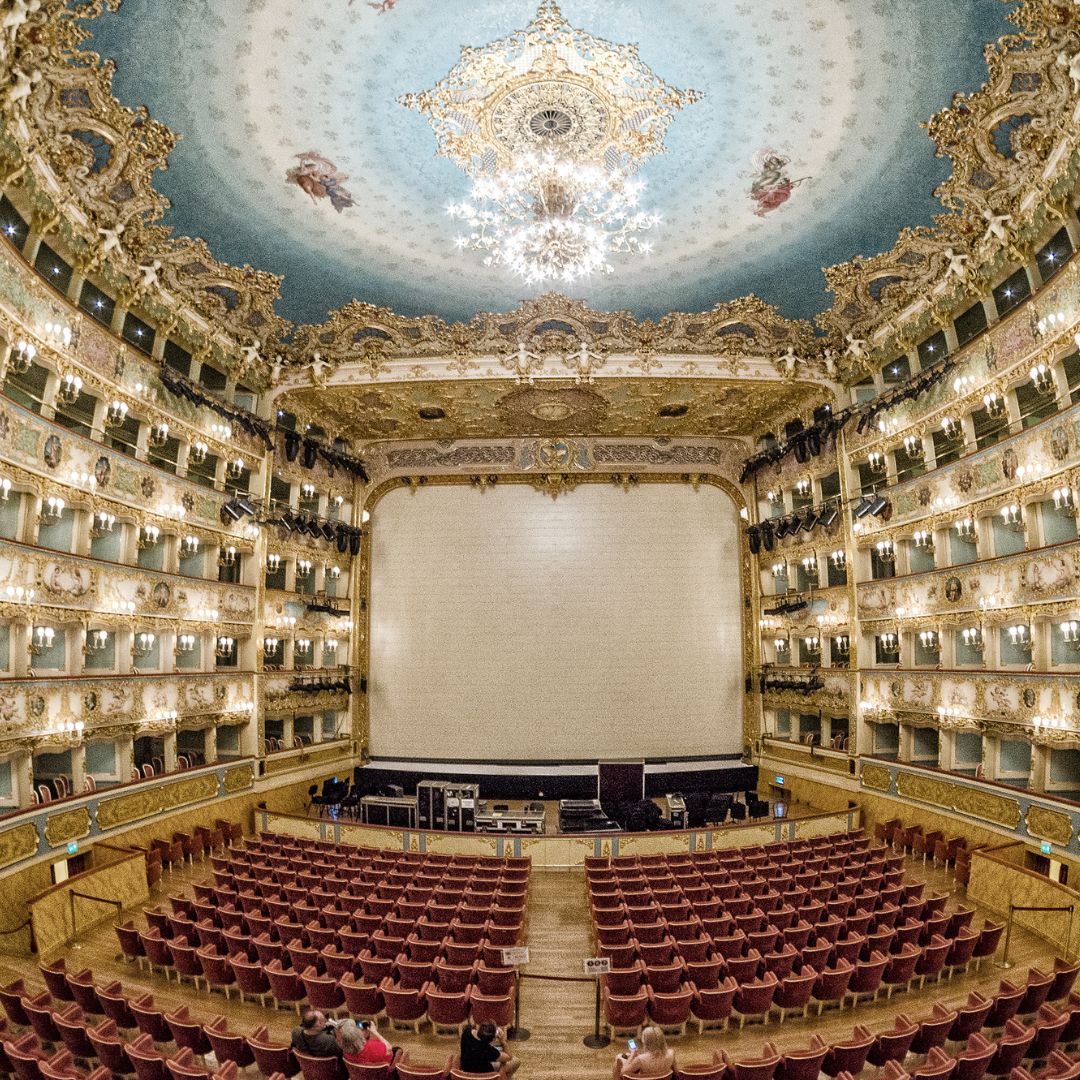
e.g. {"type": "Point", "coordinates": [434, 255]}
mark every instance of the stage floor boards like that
{"type": "Point", "coordinates": [557, 1014]}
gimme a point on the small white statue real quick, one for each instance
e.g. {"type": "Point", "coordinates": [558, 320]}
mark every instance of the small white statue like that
{"type": "Point", "coordinates": [275, 371]}
{"type": "Point", "coordinates": [856, 347]}
{"type": "Point", "coordinates": [17, 14]}
{"type": "Point", "coordinates": [957, 264]}
{"type": "Point", "coordinates": [149, 273]}
{"type": "Point", "coordinates": [520, 362]}
{"type": "Point", "coordinates": [791, 360]}
{"type": "Point", "coordinates": [318, 369]}
{"type": "Point", "coordinates": [111, 241]}
{"type": "Point", "coordinates": [995, 223]}
{"type": "Point", "coordinates": [1073, 64]}
{"type": "Point", "coordinates": [24, 85]}
{"type": "Point", "coordinates": [250, 353]}
{"type": "Point", "coordinates": [829, 359]}
{"type": "Point", "coordinates": [581, 363]}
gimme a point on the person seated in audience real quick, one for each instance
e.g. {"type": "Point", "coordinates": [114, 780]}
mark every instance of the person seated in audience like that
{"type": "Point", "coordinates": [363, 1045]}
{"type": "Point", "coordinates": [652, 1058]}
{"type": "Point", "coordinates": [313, 1037]}
{"type": "Point", "coordinates": [480, 1053]}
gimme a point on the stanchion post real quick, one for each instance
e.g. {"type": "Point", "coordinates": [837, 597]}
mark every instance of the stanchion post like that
{"type": "Point", "coordinates": [516, 1032]}
{"type": "Point", "coordinates": [596, 1041]}
{"type": "Point", "coordinates": [1004, 962]}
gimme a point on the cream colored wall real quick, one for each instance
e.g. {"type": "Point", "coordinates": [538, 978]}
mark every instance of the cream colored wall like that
{"type": "Point", "coordinates": [605, 623]}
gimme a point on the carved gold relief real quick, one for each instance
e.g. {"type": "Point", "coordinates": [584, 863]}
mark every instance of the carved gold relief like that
{"type": "Point", "coordinates": [1049, 825]}
{"type": "Point", "coordinates": [18, 843]}
{"type": "Point", "coordinates": [876, 777]}
{"type": "Point", "coordinates": [71, 825]}
{"type": "Point", "coordinates": [238, 778]}
{"type": "Point", "coordinates": [961, 798]}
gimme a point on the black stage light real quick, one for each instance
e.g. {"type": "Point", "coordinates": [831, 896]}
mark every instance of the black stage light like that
{"type": "Point", "coordinates": [783, 527]}
{"type": "Point", "coordinates": [328, 531]}
{"type": "Point", "coordinates": [244, 503]}
{"type": "Point", "coordinates": [863, 506]}
{"type": "Point", "coordinates": [314, 529]}
{"type": "Point", "coordinates": [813, 441]}
{"type": "Point", "coordinates": [311, 453]}
{"type": "Point", "coordinates": [810, 520]}
{"type": "Point", "coordinates": [822, 413]}
{"type": "Point", "coordinates": [230, 512]}
{"type": "Point", "coordinates": [292, 445]}
{"type": "Point", "coordinates": [801, 453]}
{"type": "Point", "coordinates": [829, 515]}
{"type": "Point", "coordinates": [354, 543]}
{"type": "Point", "coordinates": [753, 538]}
{"type": "Point", "coordinates": [768, 540]}
{"type": "Point", "coordinates": [878, 505]}
{"type": "Point", "coordinates": [342, 540]}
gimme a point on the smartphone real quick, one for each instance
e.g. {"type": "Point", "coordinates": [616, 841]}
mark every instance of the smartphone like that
{"type": "Point", "coordinates": [631, 1045]}
{"type": "Point", "coordinates": [363, 1025]}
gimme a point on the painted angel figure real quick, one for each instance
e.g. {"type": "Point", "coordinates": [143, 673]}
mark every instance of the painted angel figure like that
{"type": "Point", "coordinates": [995, 223]}
{"type": "Point", "coordinates": [856, 347]}
{"type": "Point", "coordinates": [772, 187]}
{"type": "Point", "coordinates": [321, 179]}
{"type": "Point", "coordinates": [957, 264]}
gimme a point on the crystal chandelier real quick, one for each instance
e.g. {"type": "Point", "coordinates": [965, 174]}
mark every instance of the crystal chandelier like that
{"type": "Point", "coordinates": [551, 124]}
{"type": "Point", "coordinates": [550, 219]}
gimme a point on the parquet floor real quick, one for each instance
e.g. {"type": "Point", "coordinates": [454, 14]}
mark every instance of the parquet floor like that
{"type": "Point", "coordinates": [558, 1014]}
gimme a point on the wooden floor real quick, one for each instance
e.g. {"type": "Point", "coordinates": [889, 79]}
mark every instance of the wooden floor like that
{"type": "Point", "coordinates": [558, 1014]}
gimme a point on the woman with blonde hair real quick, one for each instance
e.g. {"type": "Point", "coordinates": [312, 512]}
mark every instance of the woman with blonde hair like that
{"type": "Point", "coordinates": [653, 1058]}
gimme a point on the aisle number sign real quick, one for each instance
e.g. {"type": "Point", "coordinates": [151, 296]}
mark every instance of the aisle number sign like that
{"type": "Point", "coordinates": [516, 956]}
{"type": "Point", "coordinates": [598, 965]}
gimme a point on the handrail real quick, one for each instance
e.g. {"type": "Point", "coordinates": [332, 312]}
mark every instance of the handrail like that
{"type": "Point", "coordinates": [1013, 908]}
{"type": "Point", "coordinates": [15, 930]}
{"type": "Point", "coordinates": [86, 896]}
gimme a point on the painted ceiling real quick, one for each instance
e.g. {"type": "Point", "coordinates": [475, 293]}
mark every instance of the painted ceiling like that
{"type": "Point", "coordinates": [466, 409]}
{"type": "Point", "coordinates": [806, 149]}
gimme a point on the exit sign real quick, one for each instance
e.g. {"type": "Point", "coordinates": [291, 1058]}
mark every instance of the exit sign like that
{"type": "Point", "coordinates": [1045, 847]}
{"type": "Point", "coordinates": [73, 847]}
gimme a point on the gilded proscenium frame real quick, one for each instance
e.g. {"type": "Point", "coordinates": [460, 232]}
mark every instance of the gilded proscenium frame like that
{"type": "Point", "coordinates": [547, 483]}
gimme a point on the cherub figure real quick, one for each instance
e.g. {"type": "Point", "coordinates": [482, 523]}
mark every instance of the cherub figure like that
{"type": "Point", "coordinates": [995, 223]}
{"type": "Point", "coordinates": [1073, 64]}
{"type": "Point", "coordinates": [522, 362]}
{"type": "Point", "coordinates": [957, 264]}
{"type": "Point", "coordinates": [275, 371]}
{"type": "Point", "coordinates": [250, 353]}
{"type": "Point", "coordinates": [149, 273]}
{"type": "Point", "coordinates": [856, 347]}
{"type": "Point", "coordinates": [24, 86]}
{"type": "Point", "coordinates": [791, 360]}
{"type": "Point", "coordinates": [318, 369]}
{"type": "Point", "coordinates": [829, 360]}
{"type": "Point", "coordinates": [583, 364]}
{"type": "Point", "coordinates": [111, 239]}
{"type": "Point", "coordinates": [17, 14]}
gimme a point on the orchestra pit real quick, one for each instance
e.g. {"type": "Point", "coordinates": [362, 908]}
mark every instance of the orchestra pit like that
{"type": "Point", "coordinates": [542, 535]}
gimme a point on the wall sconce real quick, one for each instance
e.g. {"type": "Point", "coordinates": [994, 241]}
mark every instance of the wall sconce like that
{"type": "Point", "coordinates": [5, 489]}
{"type": "Point", "coordinates": [842, 645]}
{"type": "Point", "coordinates": [771, 496]}
{"type": "Point", "coordinates": [781, 645]}
{"type": "Point", "coordinates": [16, 594]}
{"type": "Point", "coordinates": [929, 640]}
{"type": "Point", "coordinates": [270, 645]}
{"type": "Point", "coordinates": [159, 434]}
{"type": "Point", "coordinates": [994, 405]}
{"type": "Point", "coordinates": [810, 567]}
{"type": "Point", "coordinates": [365, 516]}
{"type": "Point", "coordinates": [886, 552]}
{"type": "Point", "coordinates": [143, 644]}
{"type": "Point", "coordinates": [1070, 633]}
{"type": "Point", "coordinates": [964, 384]}
{"type": "Point", "coordinates": [802, 488]}
{"type": "Point", "coordinates": [779, 569]}
{"type": "Point", "coordinates": [221, 431]}
{"type": "Point", "coordinates": [951, 429]}
{"type": "Point", "coordinates": [913, 447]}
{"type": "Point", "coordinates": [227, 556]}
{"type": "Point", "coordinates": [185, 643]}
{"type": "Point", "coordinates": [924, 540]}
{"type": "Point", "coordinates": [333, 573]}
{"type": "Point", "coordinates": [303, 568]}
{"type": "Point", "coordinates": [22, 356]}
{"type": "Point", "coordinates": [330, 646]}
{"type": "Point", "coordinates": [96, 640]}
{"type": "Point", "coordinates": [101, 524]}
{"type": "Point", "coordinates": [876, 463]}
{"type": "Point", "coordinates": [965, 531]}
{"type": "Point", "coordinates": [224, 647]}
{"type": "Point", "coordinates": [302, 646]}
{"type": "Point", "coordinates": [1011, 517]}
{"type": "Point", "coordinates": [235, 469]}
{"type": "Point", "coordinates": [57, 334]}
{"type": "Point", "coordinates": [812, 645]}
{"type": "Point", "coordinates": [1054, 321]}
{"type": "Point", "coordinates": [338, 501]}
{"type": "Point", "coordinates": [972, 637]}
{"type": "Point", "coordinates": [52, 509]}
{"type": "Point", "coordinates": [273, 564]}
{"type": "Point", "coordinates": [307, 491]}
{"type": "Point", "coordinates": [148, 537]}
{"type": "Point", "coordinates": [839, 559]}
{"type": "Point", "coordinates": [115, 414]}
{"type": "Point", "coordinates": [189, 547]}
{"type": "Point", "coordinates": [69, 389]}
{"type": "Point", "coordinates": [197, 452]}
{"type": "Point", "coordinates": [1042, 379]}
{"type": "Point", "coordinates": [41, 639]}
{"type": "Point", "coordinates": [1064, 502]}
{"type": "Point", "coordinates": [1020, 636]}
{"type": "Point", "coordinates": [889, 644]}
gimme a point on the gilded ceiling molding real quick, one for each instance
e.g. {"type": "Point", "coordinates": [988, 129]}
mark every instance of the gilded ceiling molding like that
{"type": "Point", "coordinates": [1012, 145]}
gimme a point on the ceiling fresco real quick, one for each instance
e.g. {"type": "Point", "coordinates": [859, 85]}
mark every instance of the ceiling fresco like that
{"type": "Point", "coordinates": [296, 157]}
{"type": "Point", "coordinates": [497, 408]}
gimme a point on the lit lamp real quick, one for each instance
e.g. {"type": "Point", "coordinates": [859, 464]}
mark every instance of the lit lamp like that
{"type": "Point", "coordinates": [876, 463]}
{"type": "Point", "coordinates": [189, 547]}
{"type": "Point", "coordinates": [185, 643]}
{"type": "Point", "coordinates": [302, 646]}
{"type": "Point", "coordinates": [812, 645]}
{"type": "Point", "coordinates": [225, 647]}
{"type": "Point", "coordinates": [159, 434]}
{"type": "Point", "coordinates": [330, 645]}
{"type": "Point", "coordinates": [101, 524]}
{"type": "Point", "coordinates": [839, 559]}
{"type": "Point", "coordinates": [951, 429]}
{"type": "Point", "coordinates": [842, 645]}
{"type": "Point", "coordinates": [924, 540]}
{"type": "Point", "coordinates": [1020, 636]}
{"type": "Point", "coordinates": [781, 645]}
{"type": "Point", "coordinates": [270, 645]}
{"type": "Point", "coordinates": [929, 640]}
{"type": "Point", "coordinates": [779, 569]}
{"type": "Point", "coordinates": [273, 564]}
{"type": "Point", "coordinates": [303, 568]}
{"type": "Point", "coordinates": [972, 637]}
{"type": "Point", "coordinates": [148, 536]}
{"type": "Point", "coordinates": [913, 447]}
{"type": "Point", "coordinates": [1042, 379]}
{"type": "Point", "coordinates": [802, 488]}
{"type": "Point", "coordinates": [1064, 502]}
{"type": "Point", "coordinates": [227, 556]}
{"type": "Point", "coordinates": [963, 384]}
{"type": "Point", "coordinates": [994, 404]}
{"type": "Point", "coordinates": [810, 567]}
{"type": "Point", "coordinates": [115, 414]}
{"type": "Point", "coordinates": [22, 356]}
{"type": "Point", "coordinates": [1070, 633]}
{"type": "Point", "coordinates": [307, 491]}
{"type": "Point", "coordinates": [889, 644]}
{"type": "Point", "coordinates": [1011, 517]}
{"type": "Point", "coordinates": [235, 469]}
{"type": "Point", "coordinates": [965, 531]}
{"type": "Point", "coordinates": [69, 389]}
{"type": "Point", "coordinates": [886, 552]}
{"type": "Point", "coordinates": [143, 644]}
{"type": "Point", "coordinates": [41, 639]}
{"type": "Point", "coordinates": [333, 572]}
{"type": "Point", "coordinates": [96, 640]}
{"type": "Point", "coordinates": [197, 452]}
{"type": "Point", "coordinates": [52, 509]}
{"type": "Point", "coordinates": [5, 489]}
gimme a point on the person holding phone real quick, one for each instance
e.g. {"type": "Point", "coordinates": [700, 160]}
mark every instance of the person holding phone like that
{"type": "Point", "coordinates": [363, 1045]}
{"type": "Point", "coordinates": [480, 1053]}
{"type": "Point", "coordinates": [652, 1059]}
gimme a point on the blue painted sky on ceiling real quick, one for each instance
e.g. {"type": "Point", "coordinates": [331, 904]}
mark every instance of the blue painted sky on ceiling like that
{"type": "Point", "coordinates": [806, 150]}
